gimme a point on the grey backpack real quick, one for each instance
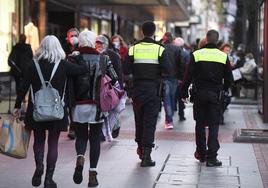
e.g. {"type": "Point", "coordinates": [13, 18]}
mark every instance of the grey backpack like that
{"type": "Point", "coordinates": [47, 103]}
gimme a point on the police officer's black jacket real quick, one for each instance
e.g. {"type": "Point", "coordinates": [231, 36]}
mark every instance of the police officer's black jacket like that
{"type": "Point", "coordinates": [209, 75]}
{"type": "Point", "coordinates": [147, 72]}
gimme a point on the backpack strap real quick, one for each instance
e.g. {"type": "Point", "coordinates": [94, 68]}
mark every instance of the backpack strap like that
{"type": "Point", "coordinates": [40, 77]}
{"type": "Point", "coordinates": [40, 73]}
{"type": "Point", "coordinates": [32, 95]}
{"type": "Point", "coordinates": [63, 93]}
{"type": "Point", "coordinates": [54, 70]}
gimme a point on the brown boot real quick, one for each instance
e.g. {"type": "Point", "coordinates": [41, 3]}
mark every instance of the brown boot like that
{"type": "Point", "coordinates": [92, 180]}
{"type": "Point", "coordinates": [78, 172]}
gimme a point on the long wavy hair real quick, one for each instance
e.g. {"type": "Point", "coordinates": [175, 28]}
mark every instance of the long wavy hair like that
{"type": "Point", "coordinates": [50, 49]}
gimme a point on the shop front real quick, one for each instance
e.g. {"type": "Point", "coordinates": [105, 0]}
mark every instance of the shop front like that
{"type": "Point", "coordinates": [10, 13]}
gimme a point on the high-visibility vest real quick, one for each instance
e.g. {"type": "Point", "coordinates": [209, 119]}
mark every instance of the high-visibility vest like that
{"type": "Point", "coordinates": [210, 55]}
{"type": "Point", "coordinates": [146, 52]}
{"type": "Point", "coordinates": [146, 65]}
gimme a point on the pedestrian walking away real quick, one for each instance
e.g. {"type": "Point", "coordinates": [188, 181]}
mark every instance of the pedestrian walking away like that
{"type": "Point", "coordinates": [48, 55]}
{"type": "Point", "coordinates": [170, 81]}
{"type": "Point", "coordinates": [185, 59]}
{"type": "Point", "coordinates": [207, 70]}
{"type": "Point", "coordinates": [112, 122]}
{"type": "Point", "coordinates": [19, 59]}
{"type": "Point", "coordinates": [87, 115]}
{"type": "Point", "coordinates": [146, 65]}
{"type": "Point", "coordinates": [71, 55]}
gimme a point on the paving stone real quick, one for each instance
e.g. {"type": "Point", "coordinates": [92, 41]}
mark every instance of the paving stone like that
{"type": "Point", "coordinates": [169, 168]}
{"type": "Point", "coordinates": [177, 179]}
{"type": "Point", "coordinates": [174, 186]}
{"type": "Point", "coordinates": [232, 171]}
{"type": "Point", "coordinates": [219, 180]}
{"type": "Point", "coordinates": [217, 186]}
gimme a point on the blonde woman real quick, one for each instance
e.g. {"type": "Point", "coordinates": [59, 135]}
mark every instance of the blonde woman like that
{"type": "Point", "coordinates": [48, 55]}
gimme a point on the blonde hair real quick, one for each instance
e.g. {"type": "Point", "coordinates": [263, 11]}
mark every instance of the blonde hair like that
{"type": "Point", "coordinates": [50, 49]}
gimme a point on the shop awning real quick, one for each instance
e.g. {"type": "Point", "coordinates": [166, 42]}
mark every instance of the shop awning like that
{"type": "Point", "coordinates": [136, 10]}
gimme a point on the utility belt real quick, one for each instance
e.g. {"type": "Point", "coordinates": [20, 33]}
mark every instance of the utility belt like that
{"type": "Point", "coordinates": [193, 90]}
{"type": "Point", "coordinates": [149, 84]}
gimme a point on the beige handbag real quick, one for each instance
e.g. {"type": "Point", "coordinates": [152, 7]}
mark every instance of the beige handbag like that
{"type": "Point", "coordinates": [14, 138]}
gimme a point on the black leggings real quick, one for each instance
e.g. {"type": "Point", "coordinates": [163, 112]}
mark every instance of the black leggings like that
{"type": "Point", "coordinates": [39, 145]}
{"type": "Point", "coordinates": [83, 134]}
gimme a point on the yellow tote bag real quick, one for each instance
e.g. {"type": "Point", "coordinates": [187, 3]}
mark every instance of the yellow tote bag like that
{"type": "Point", "coordinates": [14, 139]}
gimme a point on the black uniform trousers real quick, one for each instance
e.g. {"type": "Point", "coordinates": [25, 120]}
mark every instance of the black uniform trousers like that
{"type": "Point", "coordinates": [207, 113]}
{"type": "Point", "coordinates": [146, 107]}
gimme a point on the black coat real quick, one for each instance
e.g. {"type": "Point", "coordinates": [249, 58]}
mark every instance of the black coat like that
{"type": "Point", "coordinates": [64, 70]}
{"type": "Point", "coordinates": [173, 58]}
{"type": "Point", "coordinates": [21, 55]}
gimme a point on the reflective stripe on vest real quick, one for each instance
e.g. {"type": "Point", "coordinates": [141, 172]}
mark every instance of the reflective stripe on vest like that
{"type": "Point", "coordinates": [210, 55]}
{"type": "Point", "coordinates": [153, 61]}
{"type": "Point", "coordinates": [147, 53]}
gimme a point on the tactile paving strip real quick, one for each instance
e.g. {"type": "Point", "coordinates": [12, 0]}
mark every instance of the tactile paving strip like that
{"type": "Point", "coordinates": [185, 172]}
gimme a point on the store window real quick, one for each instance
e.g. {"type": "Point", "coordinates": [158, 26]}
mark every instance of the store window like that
{"type": "Point", "coordinates": [105, 27]}
{"type": "Point", "coordinates": [94, 25]}
{"type": "Point", "coordinates": [8, 31]}
{"type": "Point", "coordinates": [160, 29]}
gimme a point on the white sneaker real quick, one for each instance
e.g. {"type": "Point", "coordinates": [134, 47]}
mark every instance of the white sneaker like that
{"type": "Point", "coordinates": [168, 126]}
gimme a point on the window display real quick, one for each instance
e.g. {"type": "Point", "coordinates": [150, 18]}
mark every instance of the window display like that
{"type": "Point", "coordinates": [7, 10]}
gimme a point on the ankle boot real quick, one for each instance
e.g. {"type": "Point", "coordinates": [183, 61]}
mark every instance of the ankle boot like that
{"type": "Point", "coordinates": [37, 177]}
{"type": "Point", "coordinates": [140, 151]}
{"type": "Point", "coordinates": [78, 172]}
{"type": "Point", "coordinates": [146, 159]}
{"type": "Point", "coordinates": [49, 183]}
{"type": "Point", "coordinates": [92, 179]}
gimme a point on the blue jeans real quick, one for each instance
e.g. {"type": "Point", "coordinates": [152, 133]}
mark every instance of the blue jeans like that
{"type": "Point", "coordinates": [169, 98]}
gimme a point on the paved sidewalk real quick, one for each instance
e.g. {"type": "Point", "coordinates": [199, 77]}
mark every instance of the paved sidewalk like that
{"type": "Point", "coordinates": [175, 165]}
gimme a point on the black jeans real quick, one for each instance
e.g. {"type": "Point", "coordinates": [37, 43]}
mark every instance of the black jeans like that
{"type": "Point", "coordinates": [207, 112]}
{"type": "Point", "coordinates": [146, 107]}
{"type": "Point", "coordinates": [91, 133]}
{"type": "Point", "coordinates": [39, 145]}
{"type": "Point", "coordinates": [181, 105]}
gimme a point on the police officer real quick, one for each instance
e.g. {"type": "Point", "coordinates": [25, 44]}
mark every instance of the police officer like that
{"type": "Point", "coordinates": [210, 72]}
{"type": "Point", "coordinates": [146, 64]}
